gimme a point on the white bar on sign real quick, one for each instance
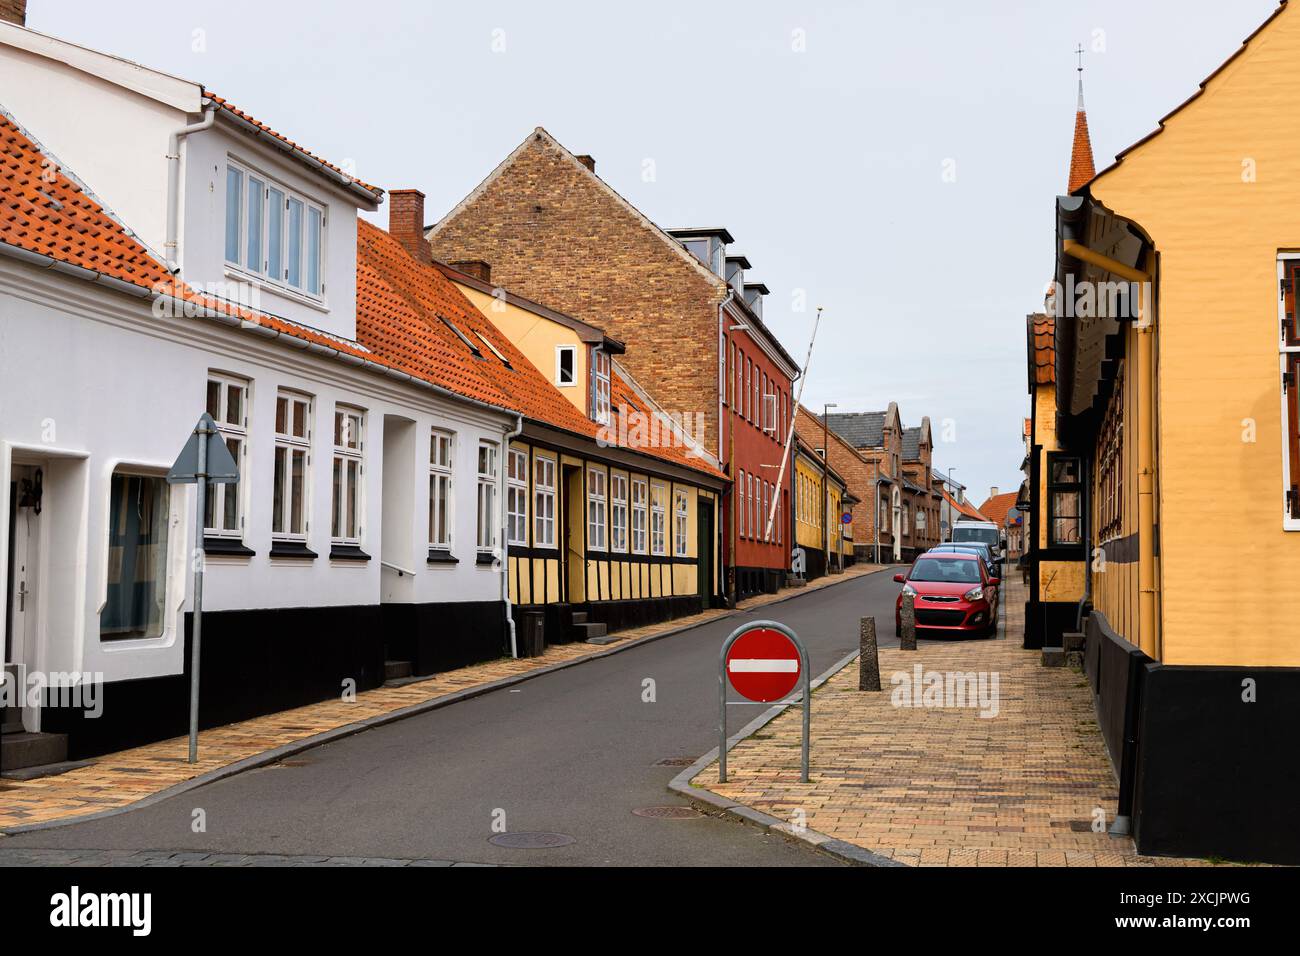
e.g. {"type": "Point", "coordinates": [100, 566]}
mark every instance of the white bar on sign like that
{"type": "Point", "coordinates": [760, 665]}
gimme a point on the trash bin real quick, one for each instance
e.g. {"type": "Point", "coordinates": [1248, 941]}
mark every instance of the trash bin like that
{"type": "Point", "coordinates": [534, 636]}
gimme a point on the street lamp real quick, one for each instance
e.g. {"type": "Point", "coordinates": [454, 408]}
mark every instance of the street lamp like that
{"type": "Point", "coordinates": [826, 456]}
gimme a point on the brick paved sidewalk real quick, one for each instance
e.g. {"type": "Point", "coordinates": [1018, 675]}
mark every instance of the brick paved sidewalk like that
{"type": "Point", "coordinates": [942, 785]}
{"type": "Point", "coordinates": [120, 779]}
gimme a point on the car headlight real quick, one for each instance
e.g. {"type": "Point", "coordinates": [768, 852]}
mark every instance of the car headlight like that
{"type": "Point", "coordinates": [908, 589]}
{"type": "Point", "coordinates": [974, 594]}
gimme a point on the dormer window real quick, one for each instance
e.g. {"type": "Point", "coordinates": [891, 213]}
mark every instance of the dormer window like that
{"type": "Point", "coordinates": [566, 365]}
{"type": "Point", "coordinates": [274, 232]}
{"type": "Point", "coordinates": [600, 385]}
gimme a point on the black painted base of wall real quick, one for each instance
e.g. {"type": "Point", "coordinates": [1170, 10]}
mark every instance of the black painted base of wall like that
{"type": "Point", "coordinates": [615, 615]}
{"type": "Point", "coordinates": [751, 581]}
{"type": "Point", "coordinates": [1046, 621]}
{"type": "Point", "coordinates": [443, 637]}
{"type": "Point", "coordinates": [254, 663]}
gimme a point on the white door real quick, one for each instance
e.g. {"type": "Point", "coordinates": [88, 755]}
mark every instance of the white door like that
{"type": "Point", "coordinates": [24, 561]}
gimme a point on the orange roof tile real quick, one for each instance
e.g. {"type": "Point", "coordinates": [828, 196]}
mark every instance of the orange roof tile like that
{"type": "Point", "coordinates": [1082, 170]}
{"type": "Point", "coordinates": [236, 111]}
{"type": "Point", "coordinates": [1042, 340]}
{"type": "Point", "coordinates": [996, 508]}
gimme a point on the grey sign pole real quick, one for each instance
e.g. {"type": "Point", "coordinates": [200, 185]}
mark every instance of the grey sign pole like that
{"type": "Point", "coordinates": [204, 458]}
{"type": "Point", "coordinates": [805, 679]}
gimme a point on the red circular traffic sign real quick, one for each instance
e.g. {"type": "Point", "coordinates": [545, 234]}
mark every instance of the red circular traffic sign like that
{"type": "Point", "coordinates": [763, 664]}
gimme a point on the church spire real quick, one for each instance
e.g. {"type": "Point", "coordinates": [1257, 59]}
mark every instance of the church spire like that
{"type": "Point", "coordinates": [1082, 169]}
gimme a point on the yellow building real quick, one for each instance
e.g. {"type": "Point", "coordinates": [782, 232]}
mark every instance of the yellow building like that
{"type": "Point", "coordinates": [821, 497]}
{"type": "Point", "coordinates": [606, 531]}
{"type": "Point", "coordinates": [1175, 359]}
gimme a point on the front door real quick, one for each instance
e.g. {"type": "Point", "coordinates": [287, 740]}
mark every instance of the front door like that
{"type": "Point", "coordinates": [23, 541]}
{"type": "Point", "coordinates": [575, 555]}
{"type": "Point", "coordinates": [704, 538]}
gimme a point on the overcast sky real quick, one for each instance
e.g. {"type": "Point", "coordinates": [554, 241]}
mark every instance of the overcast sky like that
{"type": "Point", "coordinates": [817, 133]}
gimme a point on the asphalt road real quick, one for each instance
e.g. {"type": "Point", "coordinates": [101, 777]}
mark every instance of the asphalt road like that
{"type": "Point", "coordinates": [573, 752]}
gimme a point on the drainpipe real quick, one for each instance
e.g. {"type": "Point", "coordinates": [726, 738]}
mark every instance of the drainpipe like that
{"type": "Point", "coordinates": [507, 438]}
{"type": "Point", "coordinates": [174, 184]}
{"type": "Point", "coordinates": [1145, 439]}
{"type": "Point", "coordinates": [1085, 515]}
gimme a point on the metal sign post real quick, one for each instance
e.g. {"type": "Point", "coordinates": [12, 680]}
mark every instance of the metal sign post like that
{"type": "Point", "coordinates": [205, 458]}
{"type": "Point", "coordinates": [768, 661]}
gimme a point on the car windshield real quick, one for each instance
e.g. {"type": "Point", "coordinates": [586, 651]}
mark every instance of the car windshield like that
{"type": "Point", "coordinates": [987, 536]}
{"type": "Point", "coordinates": [954, 571]}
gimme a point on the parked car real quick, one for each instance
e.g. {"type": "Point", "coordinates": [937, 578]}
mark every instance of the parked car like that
{"type": "Point", "coordinates": [955, 594]}
{"type": "Point", "coordinates": [972, 547]}
{"type": "Point", "coordinates": [967, 531]}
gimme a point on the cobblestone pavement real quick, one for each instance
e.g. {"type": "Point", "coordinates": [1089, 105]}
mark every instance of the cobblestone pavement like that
{"type": "Point", "coordinates": [119, 779]}
{"type": "Point", "coordinates": [104, 858]}
{"type": "Point", "coordinates": [941, 785]}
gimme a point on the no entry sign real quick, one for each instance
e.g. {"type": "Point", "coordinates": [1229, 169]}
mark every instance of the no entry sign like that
{"type": "Point", "coordinates": [763, 664]}
{"type": "Point", "coordinates": [763, 661]}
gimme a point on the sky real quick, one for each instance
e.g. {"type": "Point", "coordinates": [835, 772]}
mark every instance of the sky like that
{"type": "Point", "coordinates": [893, 162]}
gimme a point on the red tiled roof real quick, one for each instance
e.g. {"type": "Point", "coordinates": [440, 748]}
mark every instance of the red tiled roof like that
{"type": "Point", "coordinates": [1042, 340]}
{"type": "Point", "coordinates": [996, 508]}
{"type": "Point", "coordinates": [1081, 167]}
{"type": "Point", "coordinates": [400, 307]}
{"type": "Point", "coordinates": [236, 111]}
{"type": "Point", "coordinates": [961, 507]}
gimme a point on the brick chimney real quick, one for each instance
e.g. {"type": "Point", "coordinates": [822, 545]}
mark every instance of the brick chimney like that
{"type": "Point", "coordinates": [473, 267]}
{"type": "Point", "coordinates": [993, 492]}
{"type": "Point", "coordinates": [15, 11]}
{"type": "Point", "coordinates": [406, 221]}
{"type": "Point", "coordinates": [587, 161]}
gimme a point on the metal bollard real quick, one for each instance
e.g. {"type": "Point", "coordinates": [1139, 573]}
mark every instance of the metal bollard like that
{"type": "Point", "coordinates": [868, 658]}
{"type": "Point", "coordinates": [907, 640]}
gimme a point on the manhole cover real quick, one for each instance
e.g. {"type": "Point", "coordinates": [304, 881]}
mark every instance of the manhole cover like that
{"type": "Point", "coordinates": [675, 762]}
{"type": "Point", "coordinates": [531, 841]}
{"type": "Point", "coordinates": [667, 813]}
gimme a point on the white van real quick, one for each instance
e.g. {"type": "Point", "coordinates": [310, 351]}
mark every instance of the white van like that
{"type": "Point", "coordinates": [984, 532]}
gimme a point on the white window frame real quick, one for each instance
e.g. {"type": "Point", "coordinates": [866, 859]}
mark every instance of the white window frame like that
{"type": "Point", "coordinates": [517, 496]}
{"type": "Point", "coordinates": [743, 510]}
{"type": "Point", "coordinates": [236, 432]}
{"type": "Point", "coordinates": [601, 391]}
{"type": "Point", "coordinates": [681, 516]}
{"type": "Point", "coordinates": [640, 516]}
{"type": "Point", "coordinates": [349, 449]}
{"type": "Point", "coordinates": [261, 270]}
{"type": "Point", "coordinates": [487, 465]}
{"type": "Point", "coordinates": [572, 352]}
{"type": "Point", "coordinates": [769, 413]}
{"type": "Point", "coordinates": [290, 443]}
{"type": "Point", "coordinates": [658, 518]}
{"type": "Point", "coordinates": [442, 487]}
{"type": "Point", "coordinates": [597, 509]}
{"type": "Point", "coordinates": [618, 512]}
{"type": "Point", "coordinates": [544, 469]}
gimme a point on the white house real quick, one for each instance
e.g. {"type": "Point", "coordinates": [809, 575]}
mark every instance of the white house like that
{"type": "Point", "coordinates": [369, 499]}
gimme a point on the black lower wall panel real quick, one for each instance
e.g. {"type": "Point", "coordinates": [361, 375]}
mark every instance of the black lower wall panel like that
{"type": "Point", "coordinates": [254, 662]}
{"type": "Point", "coordinates": [443, 637]}
{"type": "Point", "coordinates": [1046, 621]}
{"type": "Point", "coordinates": [1218, 776]}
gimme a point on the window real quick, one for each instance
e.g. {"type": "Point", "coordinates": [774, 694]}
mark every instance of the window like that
{"type": "Point", "coordinates": [289, 508]}
{"type": "Point", "coordinates": [441, 447]}
{"type": "Point", "coordinates": [1064, 497]}
{"type": "Point", "coordinates": [1289, 359]}
{"type": "Point", "coordinates": [464, 339]}
{"type": "Point", "coordinates": [769, 413]}
{"type": "Point", "coordinates": [731, 397]}
{"type": "Point", "coordinates": [517, 497]}
{"type": "Point", "coordinates": [749, 402]}
{"type": "Point", "coordinates": [566, 364]}
{"type": "Point", "coordinates": [903, 516]}
{"type": "Point", "coordinates": [223, 504]}
{"type": "Point", "coordinates": [738, 396]}
{"type": "Point", "coordinates": [544, 502]}
{"type": "Point", "coordinates": [273, 232]}
{"type": "Point", "coordinates": [681, 512]}
{"type": "Point", "coordinates": [348, 506]}
{"type": "Point", "coordinates": [743, 510]}
{"type": "Point", "coordinates": [600, 389]}
{"type": "Point", "coordinates": [488, 453]}
{"type": "Point", "coordinates": [658, 496]}
{"type": "Point", "coordinates": [638, 515]}
{"type": "Point", "coordinates": [618, 512]}
{"type": "Point", "coordinates": [597, 504]}
{"type": "Point", "coordinates": [755, 412]}
{"type": "Point", "coordinates": [754, 529]}
{"type": "Point", "coordinates": [1110, 465]}
{"type": "Point", "coordinates": [767, 510]}
{"type": "Point", "coordinates": [138, 517]}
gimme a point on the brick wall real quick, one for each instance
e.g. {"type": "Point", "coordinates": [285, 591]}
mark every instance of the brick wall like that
{"type": "Point", "coordinates": [15, 11]}
{"type": "Point", "coordinates": [551, 232]}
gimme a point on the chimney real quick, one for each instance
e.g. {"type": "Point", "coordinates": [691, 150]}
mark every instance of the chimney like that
{"type": "Point", "coordinates": [15, 11]}
{"type": "Point", "coordinates": [587, 161]}
{"type": "Point", "coordinates": [406, 221]}
{"type": "Point", "coordinates": [993, 492]}
{"type": "Point", "coordinates": [473, 267]}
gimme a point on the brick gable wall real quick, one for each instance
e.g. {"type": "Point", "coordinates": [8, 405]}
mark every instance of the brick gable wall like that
{"type": "Point", "coordinates": [552, 233]}
{"type": "Point", "coordinates": [15, 11]}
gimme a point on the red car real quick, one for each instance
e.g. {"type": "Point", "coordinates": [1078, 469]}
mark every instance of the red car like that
{"type": "Point", "coordinates": [954, 595]}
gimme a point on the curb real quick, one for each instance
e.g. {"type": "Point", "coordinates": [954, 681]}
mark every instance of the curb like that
{"type": "Point", "coordinates": [840, 849]}
{"type": "Point", "coordinates": [277, 754]}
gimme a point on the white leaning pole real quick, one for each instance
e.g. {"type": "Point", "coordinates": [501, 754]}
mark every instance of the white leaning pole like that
{"type": "Point", "coordinates": [789, 435]}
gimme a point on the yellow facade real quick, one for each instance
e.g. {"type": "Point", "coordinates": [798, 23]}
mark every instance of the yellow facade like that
{"type": "Point", "coordinates": [1058, 581]}
{"type": "Point", "coordinates": [810, 519]}
{"type": "Point", "coordinates": [1216, 193]}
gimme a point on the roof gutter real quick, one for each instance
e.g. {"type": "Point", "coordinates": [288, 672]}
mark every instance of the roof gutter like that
{"type": "Point", "coordinates": [174, 184]}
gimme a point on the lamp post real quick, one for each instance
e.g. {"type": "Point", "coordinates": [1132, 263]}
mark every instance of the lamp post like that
{"type": "Point", "coordinates": [826, 457]}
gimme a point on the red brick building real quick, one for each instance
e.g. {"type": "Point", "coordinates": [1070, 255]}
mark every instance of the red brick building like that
{"type": "Point", "coordinates": [920, 498]}
{"type": "Point", "coordinates": [552, 230]}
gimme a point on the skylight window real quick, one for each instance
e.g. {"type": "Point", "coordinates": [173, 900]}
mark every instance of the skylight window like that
{"type": "Point", "coordinates": [495, 351]}
{"type": "Point", "coordinates": [462, 336]}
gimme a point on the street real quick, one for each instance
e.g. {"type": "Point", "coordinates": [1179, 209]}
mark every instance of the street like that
{"type": "Point", "coordinates": [573, 752]}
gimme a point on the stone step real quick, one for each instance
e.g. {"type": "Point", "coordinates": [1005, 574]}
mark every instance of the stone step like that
{"type": "Point", "coordinates": [579, 617]}
{"type": "Point", "coordinates": [587, 631]}
{"type": "Point", "coordinates": [602, 640]}
{"type": "Point", "coordinates": [396, 670]}
{"type": "Point", "coordinates": [1072, 641]}
{"type": "Point", "coordinates": [1053, 657]}
{"type": "Point", "coordinates": [18, 751]}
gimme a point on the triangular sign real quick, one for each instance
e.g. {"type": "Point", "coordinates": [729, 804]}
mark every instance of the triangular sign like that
{"type": "Point", "coordinates": [221, 467]}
